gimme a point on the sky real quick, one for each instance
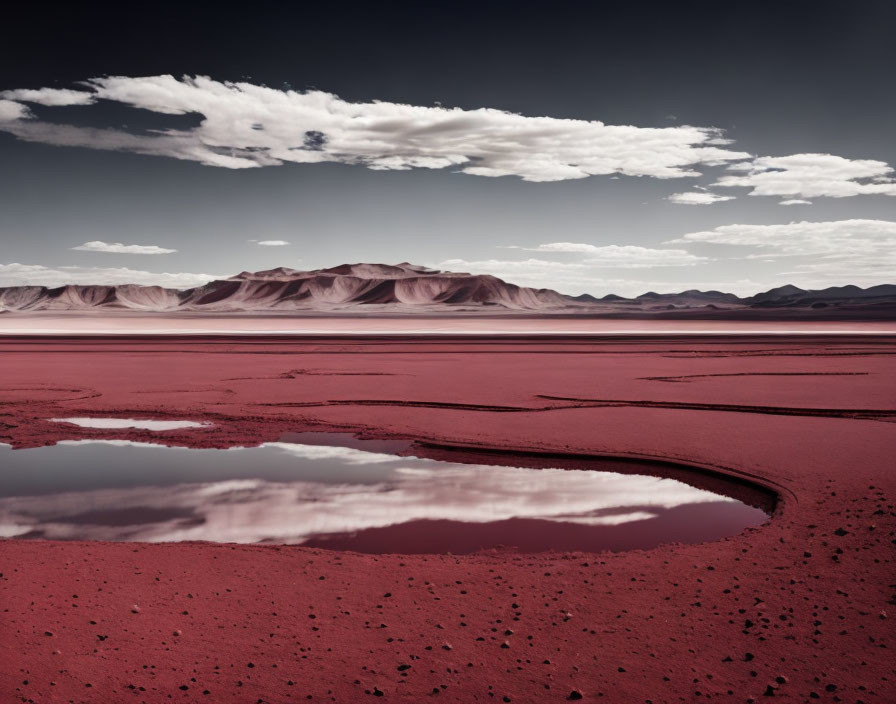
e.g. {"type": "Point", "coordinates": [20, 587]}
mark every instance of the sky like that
{"type": "Point", "coordinates": [580, 146]}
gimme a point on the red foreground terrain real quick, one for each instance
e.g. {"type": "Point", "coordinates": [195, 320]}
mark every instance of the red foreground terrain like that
{"type": "Point", "coordinates": [795, 610]}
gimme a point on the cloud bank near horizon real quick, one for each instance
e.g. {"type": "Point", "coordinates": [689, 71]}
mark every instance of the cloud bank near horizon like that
{"type": "Point", "coordinates": [832, 251]}
{"type": "Point", "coordinates": [16, 274]}
{"type": "Point", "coordinates": [811, 255]}
{"type": "Point", "coordinates": [619, 256]}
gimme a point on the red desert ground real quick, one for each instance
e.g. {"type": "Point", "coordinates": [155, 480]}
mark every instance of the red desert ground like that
{"type": "Point", "coordinates": [797, 607]}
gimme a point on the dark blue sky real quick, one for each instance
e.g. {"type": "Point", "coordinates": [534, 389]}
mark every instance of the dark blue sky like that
{"type": "Point", "coordinates": [780, 79]}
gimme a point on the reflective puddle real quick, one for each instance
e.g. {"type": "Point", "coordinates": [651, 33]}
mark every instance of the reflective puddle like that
{"type": "Point", "coordinates": [362, 498]}
{"type": "Point", "coordinates": [137, 423]}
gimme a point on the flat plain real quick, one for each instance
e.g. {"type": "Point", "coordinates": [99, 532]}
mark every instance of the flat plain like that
{"type": "Point", "coordinates": [797, 608]}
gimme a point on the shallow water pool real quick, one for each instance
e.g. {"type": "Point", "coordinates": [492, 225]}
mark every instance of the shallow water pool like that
{"type": "Point", "coordinates": [362, 498]}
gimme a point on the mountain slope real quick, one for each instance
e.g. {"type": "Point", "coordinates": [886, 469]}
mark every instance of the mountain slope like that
{"type": "Point", "coordinates": [407, 288]}
{"type": "Point", "coordinates": [347, 287]}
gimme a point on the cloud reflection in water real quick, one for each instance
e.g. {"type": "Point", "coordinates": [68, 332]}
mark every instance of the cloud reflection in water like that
{"type": "Point", "coordinates": [398, 490]}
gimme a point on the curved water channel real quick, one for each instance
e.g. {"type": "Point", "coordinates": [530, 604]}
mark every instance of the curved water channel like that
{"type": "Point", "coordinates": [331, 490]}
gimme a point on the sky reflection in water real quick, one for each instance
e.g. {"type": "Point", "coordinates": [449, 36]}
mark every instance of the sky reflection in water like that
{"type": "Point", "coordinates": [344, 497]}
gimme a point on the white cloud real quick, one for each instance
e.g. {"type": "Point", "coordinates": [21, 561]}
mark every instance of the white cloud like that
{"type": "Point", "coordinates": [566, 277]}
{"type": "Point", "coordinates": [697, 198]}
{"type": "Point", "coordinates": [53, 97]}
{"type": "Point", "coordinates": [620, 256]}
{"type": "Point", "coordinates": [249, 126]}
{"type": "Point", "coordinates": [861, 252]}
{"type": "Point", "coordinates": [272, 243]}
{"type": "Point", "coordinates": [11, 110]}
{"type": "Point", "coordinates": [510, 268]}
{"type": "Point", "coordinates": [834, 237]}
{"type": "Point", "coordinates": [246, 125]}
{"type": "Point", "coordinates": [14, 274]}
{"type": "Point", "coordinates": [635, 257]}
{"type": "Point", "coordinates": [557, 247]}
{"type": "Point", "coordinates": [579, 277]}
{"type": "Point", "coordinates": [795, 201]}
{"type": "Point", "coordinates": [119, 248]}
{"type": "Point", "coordinates": [802, 176]}
{"type": "Point", "coordinates": [587, 272]}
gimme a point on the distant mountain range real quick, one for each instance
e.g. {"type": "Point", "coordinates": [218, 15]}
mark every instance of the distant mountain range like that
{"type": "Point", "coordinates": [405, 288]}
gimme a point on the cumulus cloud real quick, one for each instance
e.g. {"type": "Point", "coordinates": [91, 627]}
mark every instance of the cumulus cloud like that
{"type": "Point", "coordinates": [823, 253]}
{"type": "Point", "coordinates": [795, 201]}
{"type": "Point", "coordinates": [621, 256]}
{"type": "Point", "coordinates": [11, 111]}
{"type": "Point", "coordinates": [249, 126]}
{"type": "Point", "coordinates": [271, 243]}
{"type": "Point", "coordinates": [53, 97]}
{"type": "Point", "coordinates": [119, 248]}
{"type": "Point", "coordinates": [15, 274]}
{"type": "Point", "coordinates": [802, 176]}
{"type": "Point", "coordinates": [697, 198]}
{"type": "Point", "coordinates": [246, 125]}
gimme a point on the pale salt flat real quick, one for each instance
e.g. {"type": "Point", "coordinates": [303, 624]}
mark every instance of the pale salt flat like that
{"type": "Point", "coordinates": [240, 325]}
